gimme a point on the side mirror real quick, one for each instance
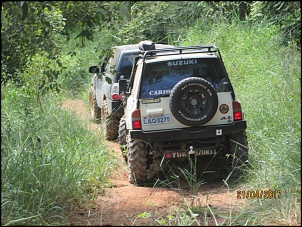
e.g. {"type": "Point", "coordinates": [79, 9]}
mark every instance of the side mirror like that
{"type": "Point", "coordinates": [94, 69]}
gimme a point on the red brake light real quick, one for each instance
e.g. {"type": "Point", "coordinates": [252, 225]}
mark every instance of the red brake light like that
{"type": "Point", "coordinates": [115, 96]}
{"type": "Point", "coordinates": [237, 112]}
{"type": "Point", "coordinates": [238, 116]}
{"type": "Point", "coordinates": [136, 124]}
{"type": "Point", "coordinates": [136, 119]}
{"type": "Point", "coordinates": [115, 91]}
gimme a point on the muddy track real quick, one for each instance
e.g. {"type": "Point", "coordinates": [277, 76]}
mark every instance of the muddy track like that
{"type": "Point", "coordinates": [124, 204]}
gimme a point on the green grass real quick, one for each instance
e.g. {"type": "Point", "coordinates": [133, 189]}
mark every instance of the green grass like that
{"type": "Point", "coordinates": [267, 81]}
{"type": "Point", "coordinates": [50, 162]}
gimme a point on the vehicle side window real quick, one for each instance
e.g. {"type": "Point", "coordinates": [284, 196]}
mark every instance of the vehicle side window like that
{"type": "Point", "coordinates": [136, 82]}
{"type": "Point", "coordinates": [111, 66]}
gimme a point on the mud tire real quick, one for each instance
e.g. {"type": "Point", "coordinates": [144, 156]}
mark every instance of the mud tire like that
{"type": "Point", "coordinates": [110, 123]}
{"type": "Point", "coordinates": [95, 110]}
{"type": "Point", "coordinates": [122, 138]}
{"type": "Point", "coordinates": [137, 162]}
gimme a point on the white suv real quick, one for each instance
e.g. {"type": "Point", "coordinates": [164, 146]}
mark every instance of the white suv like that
{"type": "Point", "coordinates": [103, 94]}
{"type": "Point", "coordinates": [179, 102]}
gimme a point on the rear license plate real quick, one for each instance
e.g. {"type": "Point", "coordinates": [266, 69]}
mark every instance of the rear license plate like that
{"type": "Point", "coordinates": [152, 120]}
{"type": "Point", "coordinates": [202, 152]}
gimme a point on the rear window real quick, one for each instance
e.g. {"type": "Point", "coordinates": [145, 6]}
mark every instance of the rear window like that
{"type": "Point", "coordinates": [159, 78]}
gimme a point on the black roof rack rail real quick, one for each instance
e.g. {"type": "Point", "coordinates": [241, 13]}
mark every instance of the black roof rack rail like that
{"type": "Point", "coordinates": [179, 50]}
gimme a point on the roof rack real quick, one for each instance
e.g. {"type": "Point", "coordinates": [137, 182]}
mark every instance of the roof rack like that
{"type": "Point", "coordinates": [180, 50]}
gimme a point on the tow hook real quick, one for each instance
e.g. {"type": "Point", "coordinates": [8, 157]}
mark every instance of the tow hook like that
{"type": "Point", "coordinates": [191, 150]}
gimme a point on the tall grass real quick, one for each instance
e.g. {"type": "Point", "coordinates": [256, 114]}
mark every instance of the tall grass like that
{"type": "Point", "coordinates": [50, 162]}
{"type": "Point", "coordinates": [266, 77]}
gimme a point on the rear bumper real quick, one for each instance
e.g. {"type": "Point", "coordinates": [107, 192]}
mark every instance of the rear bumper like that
{"type": "Point", "coordinates": [189, 133]}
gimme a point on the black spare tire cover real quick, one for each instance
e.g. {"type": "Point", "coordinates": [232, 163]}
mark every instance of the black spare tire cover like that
{"type": "Point", "coordinates": [193, 101]}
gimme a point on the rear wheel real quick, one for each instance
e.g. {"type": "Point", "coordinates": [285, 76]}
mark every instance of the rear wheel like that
{"type": "Point", "coordinates": [110, 123]}
{"type": "Point", "coordinates": [122, 138]}
{"type": "Point", "coordinates": [137, 162]}
{"type": "Point", "coordinates": [95, 111]}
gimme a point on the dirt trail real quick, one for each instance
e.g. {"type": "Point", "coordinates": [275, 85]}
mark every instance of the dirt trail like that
{"type": "Point", "coordinates": [121, 204]}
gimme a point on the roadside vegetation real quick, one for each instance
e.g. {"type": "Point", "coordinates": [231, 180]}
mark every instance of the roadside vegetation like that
{"type": "Point", "coordinates": [52, 164]}
{"type": "Point", "coordinates": [266, 76]}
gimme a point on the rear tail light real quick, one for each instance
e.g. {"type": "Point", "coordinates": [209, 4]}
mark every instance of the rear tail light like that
{"type": "Point", "coordinates": [115, 92]}
{"type": "Point", "coordinates": [237, 112]}
{"type": "Point", "coordinates": [136, 119]}
{"type": "Point", "coordinates": [115, 96]}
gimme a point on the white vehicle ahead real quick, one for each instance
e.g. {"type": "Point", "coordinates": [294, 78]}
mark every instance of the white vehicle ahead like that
{"type": "Point", "coordinates": [179, 102]}
{"type": "Point", "coordinates": [105, 103]}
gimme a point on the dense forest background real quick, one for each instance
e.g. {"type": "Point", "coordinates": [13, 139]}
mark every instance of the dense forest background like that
{"type": "Point", "coordinates": [44, 28]}
{"type": "Point", "coordinates": [47, 47]}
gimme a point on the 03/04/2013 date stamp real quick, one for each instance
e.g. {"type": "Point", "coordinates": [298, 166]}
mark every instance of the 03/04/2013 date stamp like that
{"type": "Point", "coordinates": [259, 194]}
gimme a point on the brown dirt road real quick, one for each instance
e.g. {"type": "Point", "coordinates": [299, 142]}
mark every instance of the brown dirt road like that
{"type": "Point", "coordinates": [124, 204]}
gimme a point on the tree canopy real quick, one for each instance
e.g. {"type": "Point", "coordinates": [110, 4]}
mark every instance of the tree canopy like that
{"type": "Point", "coordinates": [31, 27]}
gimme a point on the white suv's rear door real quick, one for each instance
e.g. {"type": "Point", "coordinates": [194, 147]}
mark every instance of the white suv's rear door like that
{"type": "Point", "coordinates": [158, 80]}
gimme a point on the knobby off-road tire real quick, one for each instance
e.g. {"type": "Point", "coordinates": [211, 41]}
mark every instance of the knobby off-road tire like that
{"type": "Point", "coordinates": [153, 167]}
{"type": "Point", "coordinates": [137, 161]}
{"type": "Point", "coordinates": [239, 154]}
{"type": "Point", "coordinates": [110, 123]}
{"type": "Point", "coordinates": [193, 101]}
{"type": "Point", "coordinates": [95, 110]}
{"type": "Point", "coordinates": [122, 138]}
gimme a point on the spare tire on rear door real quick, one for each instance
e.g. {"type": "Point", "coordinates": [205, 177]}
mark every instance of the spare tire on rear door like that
{"type": "Point", "coordinates": [193, 101]}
